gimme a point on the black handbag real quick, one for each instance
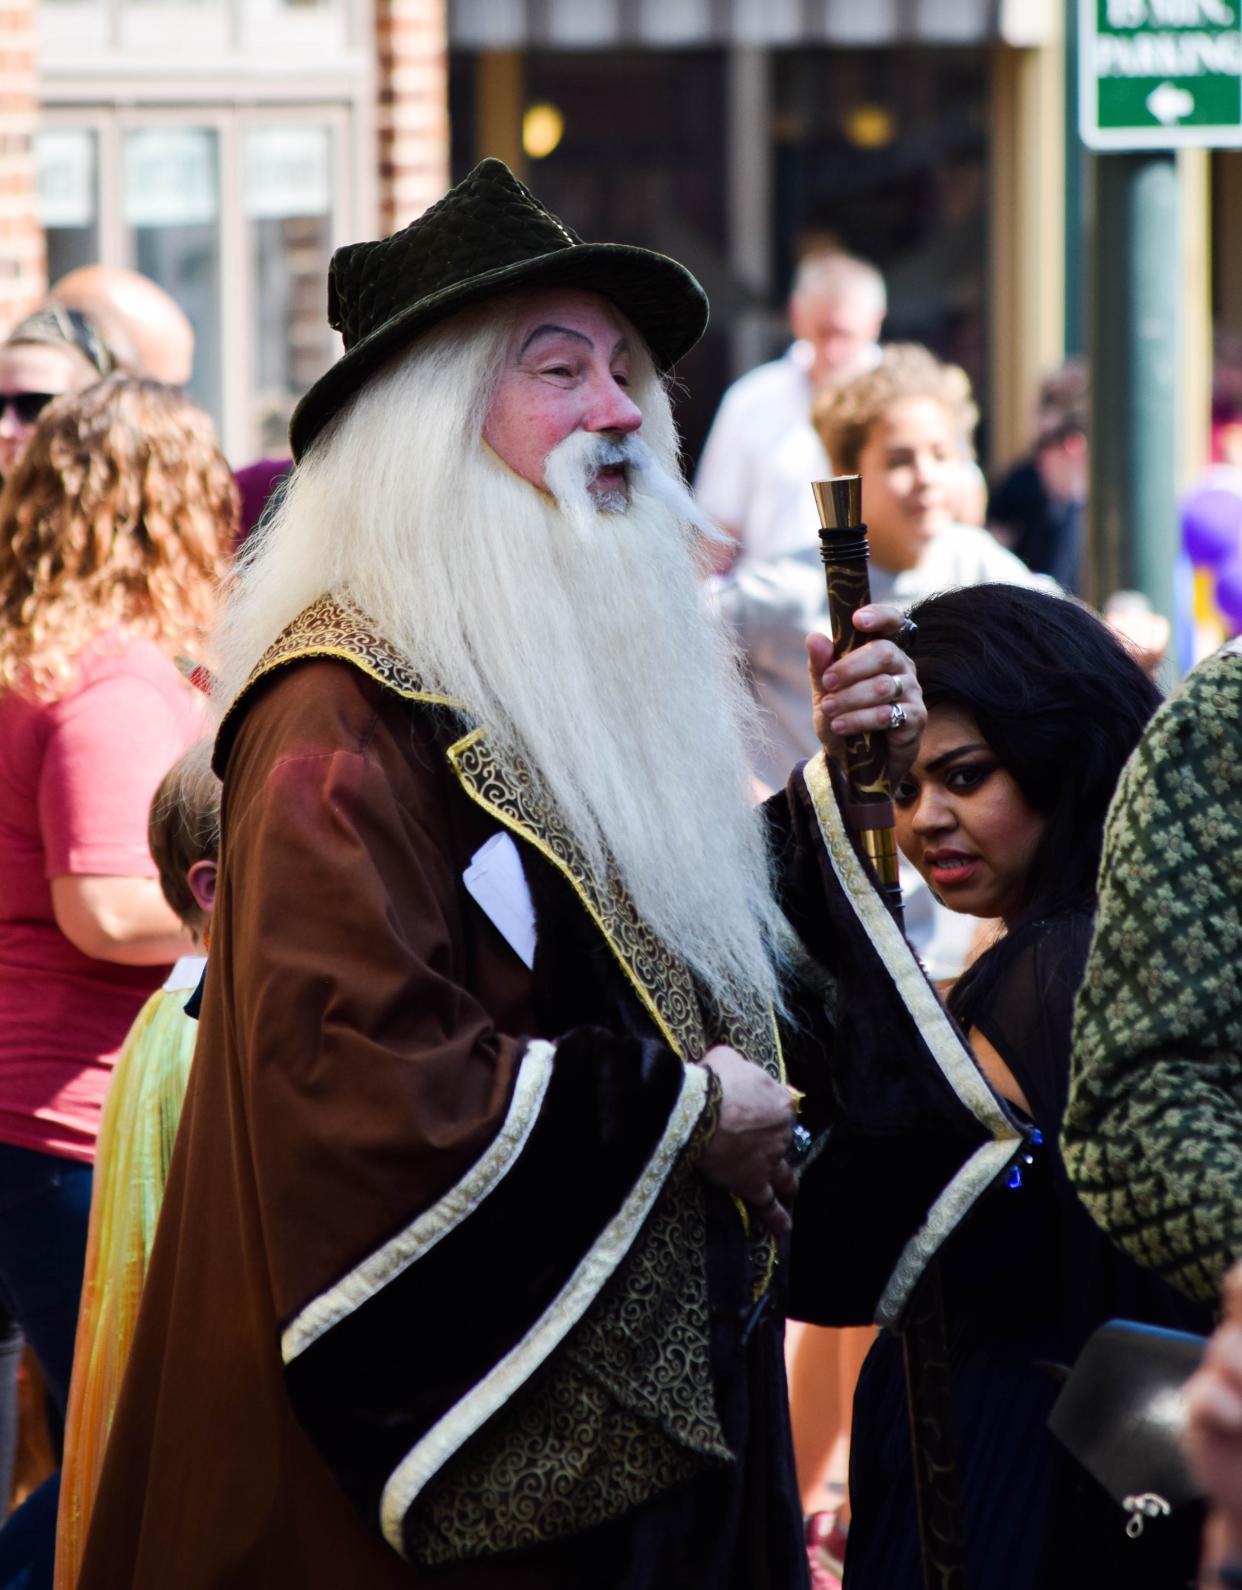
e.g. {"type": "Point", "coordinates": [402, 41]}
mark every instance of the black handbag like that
{"type": "Point", "coordinates": [1126, 1508]}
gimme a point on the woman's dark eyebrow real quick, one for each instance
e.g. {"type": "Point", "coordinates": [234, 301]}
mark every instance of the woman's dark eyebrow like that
{"type": "Point", "coordinates": [946, 757]}
{"type": "Point", "coordinates": [550, 329]}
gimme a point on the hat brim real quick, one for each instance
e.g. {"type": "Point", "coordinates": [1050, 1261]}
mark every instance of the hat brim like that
{"type": "Point", "coordinates": [659, 296]}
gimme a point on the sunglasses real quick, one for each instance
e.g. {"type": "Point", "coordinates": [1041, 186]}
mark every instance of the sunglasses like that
{"type": "Point", "coordinates": [26, 405]}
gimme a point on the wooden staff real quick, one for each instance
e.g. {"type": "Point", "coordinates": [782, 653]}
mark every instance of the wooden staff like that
{"type": "Point", "coordinates": [868, 812]}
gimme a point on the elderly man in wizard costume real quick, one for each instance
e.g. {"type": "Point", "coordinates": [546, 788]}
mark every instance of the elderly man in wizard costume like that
{"type": "Point", "coordinates": [475, 1251]}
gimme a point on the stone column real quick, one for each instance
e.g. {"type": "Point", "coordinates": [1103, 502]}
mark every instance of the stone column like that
{"type": "Point", "coordinates": [412, 58]}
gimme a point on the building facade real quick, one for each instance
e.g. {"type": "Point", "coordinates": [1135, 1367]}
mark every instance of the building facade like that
{"type": "Point", "coordinates": [226, 146]}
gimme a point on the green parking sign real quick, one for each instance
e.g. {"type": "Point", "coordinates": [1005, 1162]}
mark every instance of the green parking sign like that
{"type": "Point", "coordinates": [1156, 74]}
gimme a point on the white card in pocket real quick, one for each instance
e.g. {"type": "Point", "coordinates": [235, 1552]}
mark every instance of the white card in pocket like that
{"type": "Point", "coordinates": [495, 881]}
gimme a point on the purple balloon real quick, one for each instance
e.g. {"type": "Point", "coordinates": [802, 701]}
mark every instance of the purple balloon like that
{"type": "Point", "coordinates": [1229, 589]}
{"type": "Point", "coordinates": [1212, 524]}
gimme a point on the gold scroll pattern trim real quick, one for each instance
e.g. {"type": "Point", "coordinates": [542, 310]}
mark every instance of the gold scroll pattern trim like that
{"type": "Point", "coordinates": [330, 627]}
{"type": "Point", "coordinates": [661, 979]}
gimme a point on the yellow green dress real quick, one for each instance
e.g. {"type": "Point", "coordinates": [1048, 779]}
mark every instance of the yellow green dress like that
{"type": "Point", "coordinates": [136, 1137]}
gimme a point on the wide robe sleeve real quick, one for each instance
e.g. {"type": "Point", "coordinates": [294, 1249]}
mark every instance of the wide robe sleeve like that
{"type": "Point", "coordinates": [909, 1134]}
{"type": "Point", "coordinates": [440, 1201]}
{"type": "Point", "coordinates": [1153, 1136]}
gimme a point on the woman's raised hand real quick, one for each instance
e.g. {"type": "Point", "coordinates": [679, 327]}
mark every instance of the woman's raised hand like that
{"type": "Point", "coordinates": [860, 692]}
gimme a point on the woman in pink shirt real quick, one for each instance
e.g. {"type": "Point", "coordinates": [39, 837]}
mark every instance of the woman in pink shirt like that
{"type": "Point", "coordinates": [113, 531]}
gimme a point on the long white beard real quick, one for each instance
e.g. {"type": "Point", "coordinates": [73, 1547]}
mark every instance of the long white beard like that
{"type": "Point", "coordinates": [581, 640]}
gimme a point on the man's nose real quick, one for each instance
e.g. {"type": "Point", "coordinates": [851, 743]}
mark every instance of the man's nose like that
{"type": "Point", "coordinates": [612, 409]}
{"type": "Point", "coordinates": [10, 425]}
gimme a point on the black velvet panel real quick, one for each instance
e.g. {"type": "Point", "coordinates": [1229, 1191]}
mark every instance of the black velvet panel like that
{"type": "Point", "coordinates": [375, 1383]}
{"type": "Point", "coordinates": [577, 979]}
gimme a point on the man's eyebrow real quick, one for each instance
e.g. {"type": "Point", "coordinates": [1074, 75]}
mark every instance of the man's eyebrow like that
{"type": "Point", "coordinates": [946, 757]}
{"type": "Point", "coordinates": [550, 329]}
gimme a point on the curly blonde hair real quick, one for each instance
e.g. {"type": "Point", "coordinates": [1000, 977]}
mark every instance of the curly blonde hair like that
{"type": "Point", "coordinates": [844, 417]}
{"type": "Point", "coordinates": [119, 518]}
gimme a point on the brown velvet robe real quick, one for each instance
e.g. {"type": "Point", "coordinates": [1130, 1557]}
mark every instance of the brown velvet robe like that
{"type": "Point", "coordinates": [435, 1277]}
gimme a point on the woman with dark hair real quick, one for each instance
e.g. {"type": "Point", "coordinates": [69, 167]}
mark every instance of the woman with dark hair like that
{"type": "Point", "coordinates": [1033, 709]}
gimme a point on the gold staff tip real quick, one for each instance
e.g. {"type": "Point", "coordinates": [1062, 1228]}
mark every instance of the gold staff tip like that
{"type": "Point", "coordinates": [838, 501]}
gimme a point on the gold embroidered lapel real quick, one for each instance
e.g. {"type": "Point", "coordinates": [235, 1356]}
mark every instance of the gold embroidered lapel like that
{"type": "Point", "coordinates": [660, 978]}
{"type": "Point", "coordinates": [331, 627]}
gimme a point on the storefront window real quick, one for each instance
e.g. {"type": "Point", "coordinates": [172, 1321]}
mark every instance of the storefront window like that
{"type": "Point", "coordinates": [171, 209]}
{"type": "Point", "coordinates": [67, 160]}
{"type": "Point", "coordinates": [288, 202]}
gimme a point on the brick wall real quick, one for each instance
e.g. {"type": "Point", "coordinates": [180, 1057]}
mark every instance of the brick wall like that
{"type": "Point", "coordinates": [412, 52]}
{"type": "Point", "coordinates": [23, 262]}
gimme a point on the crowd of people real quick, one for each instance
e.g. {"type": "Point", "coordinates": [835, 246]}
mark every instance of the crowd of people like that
{"type": "Point", "coordinates": [465, 1104]}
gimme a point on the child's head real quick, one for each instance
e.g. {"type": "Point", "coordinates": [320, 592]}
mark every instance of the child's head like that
{"type": "Point", "coordinates": [183, 833]}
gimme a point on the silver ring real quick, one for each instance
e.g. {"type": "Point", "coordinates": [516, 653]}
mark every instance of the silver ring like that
{"type": "Point", "coordinates": [898, 686]}
{"type": "Point", "coordinates": [896, 715]}
{"type": "Point", "coordinates": [909, 629]}
{"type": "Point", "coordinates": [799, 1146]}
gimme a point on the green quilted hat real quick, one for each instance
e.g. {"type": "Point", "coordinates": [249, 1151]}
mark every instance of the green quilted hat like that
{"type": "Point", "coordinates": [488, 235]}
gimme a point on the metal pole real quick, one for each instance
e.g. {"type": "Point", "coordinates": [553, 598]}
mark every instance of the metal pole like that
{"type": "Point", "coordinates": [1075, 219]}
{"type": "Point", "coordinates": [1132, 531]}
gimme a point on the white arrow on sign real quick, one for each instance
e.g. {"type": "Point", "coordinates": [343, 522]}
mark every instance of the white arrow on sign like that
{"type": "Point", "coordinates": [1168, 103]}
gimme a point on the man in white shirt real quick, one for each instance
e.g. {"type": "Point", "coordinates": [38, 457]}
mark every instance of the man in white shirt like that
{"type": "Point", "coordinates": [836, 309]}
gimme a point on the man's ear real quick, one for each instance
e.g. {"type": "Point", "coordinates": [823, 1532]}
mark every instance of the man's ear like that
{"type": "Point", "coordinates": [202, 881]}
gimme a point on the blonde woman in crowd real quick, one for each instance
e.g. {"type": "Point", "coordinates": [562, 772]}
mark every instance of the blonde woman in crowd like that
{"type": "Point", "coordinates": [114, 527]}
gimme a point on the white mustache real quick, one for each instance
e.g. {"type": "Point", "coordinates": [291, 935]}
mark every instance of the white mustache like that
{"type": "Point", "coordinates": [574, 463]}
